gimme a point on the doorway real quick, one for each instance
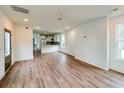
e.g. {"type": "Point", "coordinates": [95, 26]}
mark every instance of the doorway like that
{"type": "Point", "coordinates": [7, 48]}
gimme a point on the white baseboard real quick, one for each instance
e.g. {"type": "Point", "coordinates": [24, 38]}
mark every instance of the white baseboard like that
{"type": "Point", "coordinates": [117, 69]}
{"type": "Point", "coordinates": [107, 69]}
{"type": "Point", "coordinates": [91, 63]}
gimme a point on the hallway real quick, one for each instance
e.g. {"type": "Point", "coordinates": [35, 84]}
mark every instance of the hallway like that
{"type": "Point", "coordinates": [59, 70]}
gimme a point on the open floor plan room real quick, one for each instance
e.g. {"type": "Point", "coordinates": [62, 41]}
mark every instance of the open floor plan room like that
{"type": "Point", "coordinates": [61, 46]}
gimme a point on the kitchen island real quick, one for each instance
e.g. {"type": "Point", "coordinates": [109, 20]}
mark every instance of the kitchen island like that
{"type": "Point", "coordinates": [49, 48]}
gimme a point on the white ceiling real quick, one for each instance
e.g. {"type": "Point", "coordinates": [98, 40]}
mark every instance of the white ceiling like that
{"type": "Point", "coordinates": [45, 16]}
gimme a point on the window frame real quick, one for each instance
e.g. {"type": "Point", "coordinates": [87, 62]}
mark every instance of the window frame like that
{"type": "Point", "coordinates": [118, 55]}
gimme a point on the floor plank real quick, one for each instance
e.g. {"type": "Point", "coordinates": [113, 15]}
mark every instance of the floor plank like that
{"type": "Point", "coordinates": [58, 70]}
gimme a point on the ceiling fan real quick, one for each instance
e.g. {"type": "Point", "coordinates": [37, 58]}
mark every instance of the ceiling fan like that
{"type": "Point", "coordinates": [60, 15]}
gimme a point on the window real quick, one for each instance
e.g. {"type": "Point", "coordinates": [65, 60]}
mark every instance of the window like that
{"type": "Point", "coordinates": [120, 41]}
{"type": "Point", "coordinates": [62, 44]}
{"type": "Point", "coordinates": [7, 44]}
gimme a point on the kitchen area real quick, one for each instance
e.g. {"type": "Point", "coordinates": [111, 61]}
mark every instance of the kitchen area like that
{"type": "Point", "coordinates": [46, 42]}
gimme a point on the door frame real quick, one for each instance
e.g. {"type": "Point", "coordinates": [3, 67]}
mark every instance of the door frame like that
{"type": "Point", "coordinates": [7, 30]}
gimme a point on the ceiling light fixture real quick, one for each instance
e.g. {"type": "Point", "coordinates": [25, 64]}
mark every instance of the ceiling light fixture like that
{"type": "Point", "coordinates": [25, 19]}
{"type": "Point", "coordinates": [60, 16]}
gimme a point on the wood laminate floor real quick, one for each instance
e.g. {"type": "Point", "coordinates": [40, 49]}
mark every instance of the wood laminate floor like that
{"type": "Point", "coordinates": [56, 70]}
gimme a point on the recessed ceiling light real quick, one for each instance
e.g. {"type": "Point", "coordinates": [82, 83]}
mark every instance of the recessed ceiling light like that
{"type": "Point", "coordinates": [67, 27]}
{"type": "Point", "coordinates": [25, 19]}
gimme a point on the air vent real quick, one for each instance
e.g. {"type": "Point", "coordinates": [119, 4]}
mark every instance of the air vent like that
{"type": "Point", "coordinates": [19, 9]}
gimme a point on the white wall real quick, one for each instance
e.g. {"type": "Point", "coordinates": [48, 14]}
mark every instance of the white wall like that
{"type": "Point", "coordinates": [115, 64]}
{"type": "Point", "coordinates": [93, 48]}
{"type": "Point", "coordinates": [69, 42]}
{"type": "Point", "coordinates": [23, 43]}
{"type": "Point", "coordinates": [4, 23]}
